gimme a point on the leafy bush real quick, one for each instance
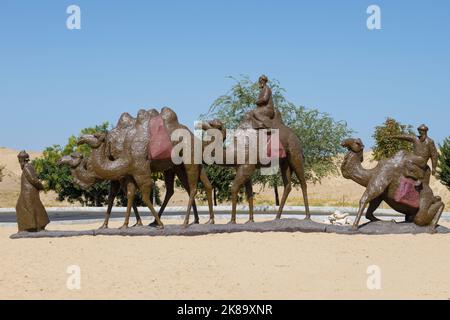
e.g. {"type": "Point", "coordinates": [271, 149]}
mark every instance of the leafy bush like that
{"type": "Point", "coordinates": [386, 147]}
{"type": "Point", "coordinates": [444, 163]}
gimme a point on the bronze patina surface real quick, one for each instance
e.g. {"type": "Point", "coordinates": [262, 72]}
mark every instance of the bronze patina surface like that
{"type": "Point", "coordinates": [382, 184]}
{"type": "Point", "coordinates": [294, 162]}
{"type": "Point", "coordinates": [122, 153]}
{"type": "Point", "coordinates": [31, 214]}
{"type": "Point", "coordinates": [278, 225]}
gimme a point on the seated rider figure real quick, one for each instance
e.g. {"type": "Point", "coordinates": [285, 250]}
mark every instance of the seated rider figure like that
{"type": "Point", "coordinates": [424, 149]}
{"type": "Point", "coordinates": [262, 116]}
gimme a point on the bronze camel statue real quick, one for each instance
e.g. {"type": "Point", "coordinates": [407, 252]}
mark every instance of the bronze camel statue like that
{"type": "Point", "coordinates": [124, 151]}
{"type": "Point", "coordinates": [293, 163]}
{"type": "Point", "coordinates": [84, 177]}
{"type": "Point", "coordinates": [382, 184]}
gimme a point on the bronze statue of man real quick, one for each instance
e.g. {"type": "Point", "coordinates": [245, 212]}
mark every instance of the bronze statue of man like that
{"type": "Point", "coordinates": [264, 112]}
{"type": "Point", "coordinates": [31, 214]}
{"type": "Point", "coordinates": [424, 149]}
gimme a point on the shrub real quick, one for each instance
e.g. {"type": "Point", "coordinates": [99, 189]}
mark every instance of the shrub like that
{"type": "Point", "coordinates": [386, 147]}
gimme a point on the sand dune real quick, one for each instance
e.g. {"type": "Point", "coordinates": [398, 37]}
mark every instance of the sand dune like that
{"type": "Point", "coordinates": [10, 186]}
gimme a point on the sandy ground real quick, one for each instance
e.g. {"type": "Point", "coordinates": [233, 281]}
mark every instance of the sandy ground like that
{"type": "Point", "coordinates": [332, 191]}
{"type": "Point", "coordinates": [228, 266]}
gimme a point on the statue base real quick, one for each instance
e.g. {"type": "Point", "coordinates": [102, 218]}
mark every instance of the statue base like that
{"type": "Point", "coordinates": [282, 225]}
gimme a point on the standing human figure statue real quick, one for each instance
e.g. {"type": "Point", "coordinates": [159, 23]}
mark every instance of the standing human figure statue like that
{"type": "Point", "coordinates": [264, 112]}
{"type": "Point", "coordinates": [31, 214]}
{"type": "Point", "coordinates": [424, 149]}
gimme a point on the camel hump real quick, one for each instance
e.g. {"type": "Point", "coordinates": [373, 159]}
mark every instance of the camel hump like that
{"type": "Point", "coordinates": [142, 117]}
{"type": "Point", "coordinates": [401, 154]}
{"type": "Point", "coordinates": [397, 159]}
{"type": "Point", "coordinates": [125, 121]}
{"type": "Point", "coordinates": [169, 116]}
{"type": "Point", "coordinates": [153, 112]}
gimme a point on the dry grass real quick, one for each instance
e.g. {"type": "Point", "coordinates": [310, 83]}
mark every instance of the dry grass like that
{"type": "Point", "coordinates": [1, 172]}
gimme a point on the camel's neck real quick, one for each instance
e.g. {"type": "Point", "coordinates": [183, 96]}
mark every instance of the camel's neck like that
{"type": "Point", "coordinates": [106, 168]}
{"type": "Point", "coordinates": [352, 168]}
{"type": "Point", "coordinates": [84, 177]}
{"type": "Point", "coordinates": [211, 146]}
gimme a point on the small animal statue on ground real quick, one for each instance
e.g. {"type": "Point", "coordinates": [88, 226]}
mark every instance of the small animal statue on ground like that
{"type": "Point", "coordinates": [31, 214]}
{"type": "Point", "coordinates": [339, 218]}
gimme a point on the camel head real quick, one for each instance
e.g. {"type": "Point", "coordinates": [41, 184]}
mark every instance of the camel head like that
{"type": "Point", "coordinates": [92, 140]}
{"type": "Point", "coordinates": [72, 161]}
{"type": "Point", "coordinates": [353, 145]}
{"type": "Point", "coordinates": [82, 176]}
{"type": "Point", "coordinates": [212, 124]}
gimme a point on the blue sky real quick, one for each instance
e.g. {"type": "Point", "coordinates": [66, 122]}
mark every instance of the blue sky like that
{"type": "Point", "coordinates": [141, 54]}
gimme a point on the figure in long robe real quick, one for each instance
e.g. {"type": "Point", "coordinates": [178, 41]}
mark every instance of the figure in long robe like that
{"type": "Point", "coordinates": [31, 214]}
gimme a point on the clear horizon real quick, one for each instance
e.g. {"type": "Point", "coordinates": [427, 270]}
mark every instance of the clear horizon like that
{"type": "Point", "coordinates": [129, 56]}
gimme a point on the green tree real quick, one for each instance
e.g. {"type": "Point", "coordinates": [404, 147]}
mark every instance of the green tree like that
{"type": "Point", "coordinates": [444, 163]}
{"type": "Point", "coordinates": [319, 133]}
{"type": "Point", "coordinates": [220, 178]}
{"type": "Point", "coordinates": [386, 147]}
{"type": "Point", "coordinates": [59, 179]}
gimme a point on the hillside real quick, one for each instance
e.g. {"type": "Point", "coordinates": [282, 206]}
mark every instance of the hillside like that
{"type": "Point", "coordinates": [333, 191]}
{"type": "Point", "coordinates": [10, 186]}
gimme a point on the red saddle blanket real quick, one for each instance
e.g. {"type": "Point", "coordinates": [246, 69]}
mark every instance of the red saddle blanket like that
{"type": "Point", "coordinates": [280, 153]}
{"type": "Point", "coordinates": [159, 143]}
{"type": "Point", "coordinates": [407, 193]}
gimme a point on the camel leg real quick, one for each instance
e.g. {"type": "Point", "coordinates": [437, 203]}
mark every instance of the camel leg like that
{"type": "Point", "coordinates": [373, 206]}
{"type": "Point", "coordinates": [138, 217]}
{"type": "Point", "coordinates": [431, 209]}
{"type": "Point", "coordinates": [243, 174]}
{"type": "Point", "coordinates": [194, 209]}
{"type": "Point", "coordinates": [372, 192]}
{"type": "Point", "coordinates": [193, 175]}
{"type": "Point", "coordinates": [249, 194]}
{"type": "Point", "coordinates": [131, 192]}
{"type": "Point", "coordinates": [169, 180]}
{"type": "Point", "coordinates": [208, 189]}
{"type": "Point", "coordinates": [183, 177]}
{"type": "Point", "coordinates": [297, 165]}
{"type": "Point", "coordinates": [145, 184]}
{"type": "Point", "coordinates": [286, 175]}
{"type": "Point", "coordinates": [130, 186]}
{"type": "Point", "coordinates": [114, 190]}
{"type": "Point", "coordinates": [435, 221]}
{"type": "Point", "coordinates": [362, 206]}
